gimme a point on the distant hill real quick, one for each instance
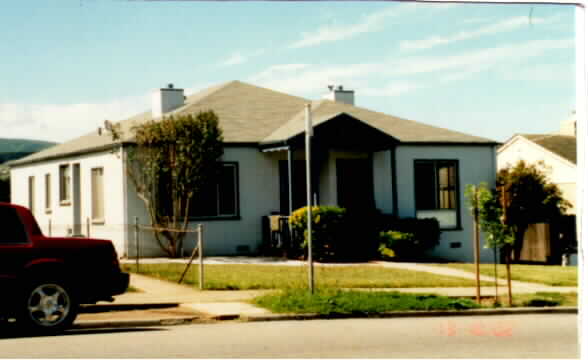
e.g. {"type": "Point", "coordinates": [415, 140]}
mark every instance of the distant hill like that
{"type": "Point", "coordinates": [23, 145]}
{"type": "Point", "coordinates": [11, 149]}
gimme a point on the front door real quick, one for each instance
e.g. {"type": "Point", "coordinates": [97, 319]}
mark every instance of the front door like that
{"type": "Point", "coordinates": [355, 185]}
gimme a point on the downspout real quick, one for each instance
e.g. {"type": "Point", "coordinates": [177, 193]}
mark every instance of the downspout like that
{"type": "Point", "coordinates": [126, 224]}
{"type": "Point", "coordinates": [394, 181]}
{"type": "Point", "coordinates": [290, 180]}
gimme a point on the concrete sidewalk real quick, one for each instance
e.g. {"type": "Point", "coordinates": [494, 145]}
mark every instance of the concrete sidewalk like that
{"type": "Point", "coordinates": [163, 302]}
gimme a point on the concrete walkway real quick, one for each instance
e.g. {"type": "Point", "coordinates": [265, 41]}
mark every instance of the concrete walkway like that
{"type": "Point", "coordinates": [229, 304]}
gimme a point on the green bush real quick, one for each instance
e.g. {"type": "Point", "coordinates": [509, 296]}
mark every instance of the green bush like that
{"type": "Point", "coordinates": [409, 238]}
{"type": "Point", "coordinates": [337, 234]}
{"type": "Point", "coordinates": [396, 244]}
{"type": "Point", "coordinates": [327, 231]}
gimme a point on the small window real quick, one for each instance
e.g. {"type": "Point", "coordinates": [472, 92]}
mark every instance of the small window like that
{"type": "Point", "coordinates": [98, 194]}
{"type": "Point", "coordinates": [47, 192]}
{"type": "Point", "coordinates": [436, 191]}
{"type": "Point", "coordinates": [220, 199]}
{"type": "Point", "coordinates": [32, 194]}
{"type": "Point", "coordinates": [13, 231]}
{"type": "Point", "coordinates": [64, 184]}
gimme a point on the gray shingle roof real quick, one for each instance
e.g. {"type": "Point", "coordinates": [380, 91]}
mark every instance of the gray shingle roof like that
{"type": "Point", "coordinates": [562, 145]}
{"type": "Point", "coordinates": [400, 129]}
{"type": "Point", "coordinates": [252, 114]}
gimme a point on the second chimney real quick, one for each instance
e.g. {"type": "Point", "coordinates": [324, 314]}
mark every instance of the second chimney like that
{"type": "Point", "coordinates": [165, 100]}
{"type": "Point", "coordinates": [336, 93]}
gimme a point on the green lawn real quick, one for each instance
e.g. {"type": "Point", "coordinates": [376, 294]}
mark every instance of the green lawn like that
{"type": "Point", "coordinates": [242, 277]}
{"type": "Point", "coordinates": [333, 301]}
{"type": "Point", "coordinates": [553, 275]}
{"type": "Point", "coordinates": [326, 302]}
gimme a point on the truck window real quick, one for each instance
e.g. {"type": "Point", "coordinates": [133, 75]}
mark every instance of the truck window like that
{"type": "Point", "coordinates": [13, 231]}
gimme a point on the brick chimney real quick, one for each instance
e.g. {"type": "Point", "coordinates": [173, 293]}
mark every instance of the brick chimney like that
{"type": "Point", "coordinates": [165, 100]}
{"type": "Point", "coordinates": [568, 126]}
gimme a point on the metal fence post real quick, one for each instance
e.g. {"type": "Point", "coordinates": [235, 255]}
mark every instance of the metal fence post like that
{"type": "Point", "coordinates": [200, 251]}
{"type": "Point", "coordinates": [137, 241]}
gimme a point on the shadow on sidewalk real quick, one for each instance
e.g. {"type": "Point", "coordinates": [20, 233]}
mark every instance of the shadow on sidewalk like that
{"type": "Point", "coordinates": [13, 331]}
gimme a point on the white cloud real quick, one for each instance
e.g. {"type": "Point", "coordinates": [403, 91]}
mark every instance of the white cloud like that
{"type": "Point", "coordinates": [369, 23]}
{"type": "Point", "coordinates": [234, 59]}
{"type": "Point", "coordinates": [510, 24]}
{"type": "Point", "coordinates": [391, 89]}
{"type": "Point", "coordinates": [64, 122]}
{"type": "Point", "coordinates": [238, 58]}
{"type": "Point", "coordinates": [540, 72]}
{"type": "Point", "coordinates": [307, 79]}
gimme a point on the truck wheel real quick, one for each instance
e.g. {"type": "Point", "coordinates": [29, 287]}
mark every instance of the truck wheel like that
{"type": "Point", "coordinates": [49, 306]}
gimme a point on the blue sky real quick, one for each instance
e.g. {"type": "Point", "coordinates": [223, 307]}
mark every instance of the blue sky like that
{"type": "Point", "coordinates": [488, 70]}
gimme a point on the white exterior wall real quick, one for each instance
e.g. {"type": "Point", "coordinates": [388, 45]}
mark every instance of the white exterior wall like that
{"type": "Point", "coordinates": [61, 216]}
{"type": "Point", "coordinates": [559, 171]}
{"type": "Point", "coordinates": [383, 181]}
{"type": "Point", "coordinates": [476, 165]}
{"type": "Point", "coordinates": [259, 195]}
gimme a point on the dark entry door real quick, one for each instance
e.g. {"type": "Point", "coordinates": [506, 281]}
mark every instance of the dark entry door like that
{"type": "Point", "coordinates": [355, 185]}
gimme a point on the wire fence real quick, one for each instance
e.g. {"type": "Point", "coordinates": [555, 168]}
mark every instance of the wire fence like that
{"type": "Point", "coordinates": [134, 240]}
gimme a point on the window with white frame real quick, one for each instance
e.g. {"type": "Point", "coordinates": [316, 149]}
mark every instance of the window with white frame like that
{"type": "Point", "coordinates": [47, 192]}
{"type": "Point", "coordinates": [32, 194]}
{"type": "Point", "coordinates": [436, 191]}
{"type": "Point", "coordinates": [98, 194]}
{"type": "Point", "coordinates": [64, 183]}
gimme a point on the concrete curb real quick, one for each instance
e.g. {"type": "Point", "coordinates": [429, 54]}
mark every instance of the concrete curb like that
{"type": "Point", "coordinates": [386, 315]}
{"type": "Point", "coordinates": [101, 324]}
{"type": "Point", "coordinates": [99, 308]}
{"type": "Point", "coordinates": [97, 324]}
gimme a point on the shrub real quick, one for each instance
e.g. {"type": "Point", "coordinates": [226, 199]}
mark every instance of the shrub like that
{"type": "Point", "coordinates": [327, 231]}
{"type": "Point", "coordinates": [396, 244]}
{"type": "Point", "coordinates": [410, 237]}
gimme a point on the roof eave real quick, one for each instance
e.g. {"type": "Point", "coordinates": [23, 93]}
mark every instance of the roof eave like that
{"type": "Point", "coordinates": [23, 162]}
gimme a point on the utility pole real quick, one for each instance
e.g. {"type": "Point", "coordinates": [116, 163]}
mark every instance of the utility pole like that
{"type": "Point", "coordinates": [309, 199]}
{"type": "Point", "coordinates": [477, 242]}
{"type": "Point", "coordinates": [508, 251]}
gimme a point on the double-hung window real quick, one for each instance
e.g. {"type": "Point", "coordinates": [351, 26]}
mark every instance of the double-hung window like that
{"type": "Point", "coordinates": [221, 198]}
{"type": "Point", "coordinates": [32, 194]}
{"type": "Point", "coordinates": [64, 184]}
{"type": "Point", "coordinates": [436, 191]}
{"type": "Point", "coordinates": [98, 195]}
{"type": "Point", "coordinates": [47, 193]}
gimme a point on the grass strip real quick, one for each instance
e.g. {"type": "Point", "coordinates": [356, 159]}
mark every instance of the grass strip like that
{"type": "Point", "coordinates": [552, 275]}
{"type": "Point", "coordinates": [332, 301]}
{"type": "Point", "coordinates": [249, 276]}
{"type": "Point", "coordinates": [539, 299]}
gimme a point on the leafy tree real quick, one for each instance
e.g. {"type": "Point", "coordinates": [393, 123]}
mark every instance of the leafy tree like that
{"type": "Point", "coordinates": [174, 158]}
{"type": "Point", "coordinates": [486, 206]}
{"type": "Point", "coordinates": [490, 215]}
{"type": "Point", "coordinates": [529, 199]}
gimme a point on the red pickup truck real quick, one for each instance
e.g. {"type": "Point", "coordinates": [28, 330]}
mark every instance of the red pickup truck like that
{"type": "Point", "coordinates": [43, 279]}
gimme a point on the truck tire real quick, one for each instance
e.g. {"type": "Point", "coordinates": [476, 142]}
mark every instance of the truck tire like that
{"type": "Point", "coordinates": [48, 306]}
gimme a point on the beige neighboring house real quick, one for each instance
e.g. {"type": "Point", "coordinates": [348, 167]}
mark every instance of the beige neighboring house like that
{"type": "Point", "coordinates": [361, 158]}
{"type": "Point", "coordinates": [557, 151]}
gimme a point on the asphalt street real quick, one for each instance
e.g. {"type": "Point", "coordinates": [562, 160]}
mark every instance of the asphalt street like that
{"type": "Point", "coordinates": [498, 336]}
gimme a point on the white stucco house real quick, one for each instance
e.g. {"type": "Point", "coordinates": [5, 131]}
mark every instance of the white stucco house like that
{"type": "Point", "coordinates": [557, 151]}
{"type": "Point", "coordinates": [359, 156]}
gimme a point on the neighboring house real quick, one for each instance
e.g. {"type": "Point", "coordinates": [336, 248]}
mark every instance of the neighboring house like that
{"type": "Point", "coordinates": [556, 151]}
{"type": "Point", "coordinates": [359, 158]}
